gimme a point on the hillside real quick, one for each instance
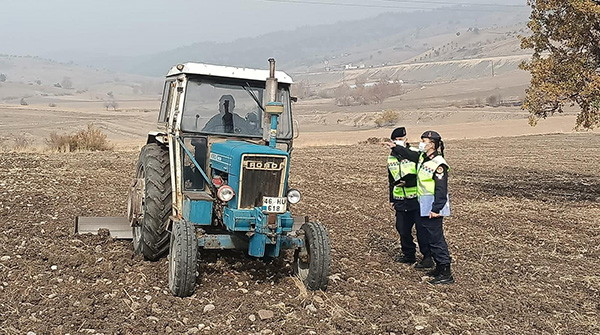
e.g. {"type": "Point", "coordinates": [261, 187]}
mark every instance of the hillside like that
{"type": "Point", "coordinates": [42, 81]}
{"type": "Point", "coordinates": [384, 39]}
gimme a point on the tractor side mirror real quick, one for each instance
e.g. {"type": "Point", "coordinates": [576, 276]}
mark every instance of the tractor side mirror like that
{"type": "Point", "coordinates": [294, 99]}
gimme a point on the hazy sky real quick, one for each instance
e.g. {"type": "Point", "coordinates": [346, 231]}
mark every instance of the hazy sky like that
{"type": "Point", "coordinates": [130, 27]}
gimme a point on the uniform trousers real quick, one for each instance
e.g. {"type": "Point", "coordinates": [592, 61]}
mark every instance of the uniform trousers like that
{"type": "Point", "coordinates": [435, 236]}
{"type": "Point", "coordinates": [405, 220]}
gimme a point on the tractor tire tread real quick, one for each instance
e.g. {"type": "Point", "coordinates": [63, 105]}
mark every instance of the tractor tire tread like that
{"type": "Point", "coordinates": [320, 256]}
{"type": "Point", "coordinates": [158, 206]}
{"type": "Point", "coordinates": [184, 250]}
{"type": "Point", "coordinates": [325, 253]}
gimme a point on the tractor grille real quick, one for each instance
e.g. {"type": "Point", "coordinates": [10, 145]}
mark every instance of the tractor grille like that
{"type": "Point", "coordinates": [261, 176]}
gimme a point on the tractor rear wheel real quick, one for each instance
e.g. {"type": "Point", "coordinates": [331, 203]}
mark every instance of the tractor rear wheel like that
{"type": "Point", "coordinates": [150, 237]}
{"type": "Point", "coordinates": [183, 259]}
{"type": "Point", "coordinates": [313, 261]}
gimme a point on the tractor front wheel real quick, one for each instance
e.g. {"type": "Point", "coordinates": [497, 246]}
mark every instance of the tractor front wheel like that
{"type": "Point", "coordinates": [313, 261]}
{"type": "Point", "coordinates": [183, 259]}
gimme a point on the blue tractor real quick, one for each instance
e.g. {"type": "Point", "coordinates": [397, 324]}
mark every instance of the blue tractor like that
{"type": "Point", "coordinates": [216, 176]}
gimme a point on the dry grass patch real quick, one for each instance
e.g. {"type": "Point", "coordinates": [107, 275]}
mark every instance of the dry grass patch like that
{"type": "Point", "coordinates": [89, 139]}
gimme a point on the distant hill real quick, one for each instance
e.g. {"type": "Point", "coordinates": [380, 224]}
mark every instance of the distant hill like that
{"type": "Point", "coordinates": [37, 78]}
{"type": "Point", "coordinates": [470, 53]}
{"type": "Point", "coordinates": [387, 38]}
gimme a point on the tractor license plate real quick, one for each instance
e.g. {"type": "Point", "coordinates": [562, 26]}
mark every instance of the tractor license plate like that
{"type": "Point", "coordinates": [274, 205]}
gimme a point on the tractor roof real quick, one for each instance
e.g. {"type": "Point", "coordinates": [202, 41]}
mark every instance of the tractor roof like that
{"type": "Point", "coordinates": [229, 72]}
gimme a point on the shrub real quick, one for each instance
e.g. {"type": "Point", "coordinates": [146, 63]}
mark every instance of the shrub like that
{"type": "Point", "coordinates": [387, 118]}
{"type": "Point", "coordinates": [374, 140]}
{"type": "Point", "coordinates": [58, 142]}
{"type": "Point", "coordinates": [22, 143]}
{"type": "Point", "coordinates": [302, 90]}
{"type": "Point", "coordinates": [325, 94]}
{"type": "Point", "coordinates": [66, 83]}
{"type": "Point", "coordinates": [493, 100]}
{"type": "Point", "coordinates": [363, 94]}
{"type": "Point", "coordinates": [90, 139]}
{"type": "Point", "coordinates": [23, 102]}
{"type": "Point", "coordinates": [111, 104]}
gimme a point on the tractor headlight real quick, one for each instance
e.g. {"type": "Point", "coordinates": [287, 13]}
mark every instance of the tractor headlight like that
{"type": "Point", "coordinates": [225, 193]}
{"type": "Point", "coordinates": [293, 196]}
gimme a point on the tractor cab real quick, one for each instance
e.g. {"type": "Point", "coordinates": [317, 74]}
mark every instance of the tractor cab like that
{"type": "Point", "coordinates": [214, 109]}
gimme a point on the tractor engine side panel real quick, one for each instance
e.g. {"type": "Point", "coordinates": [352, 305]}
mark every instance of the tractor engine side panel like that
{"type": "Point", "coordinates": [198, 211]}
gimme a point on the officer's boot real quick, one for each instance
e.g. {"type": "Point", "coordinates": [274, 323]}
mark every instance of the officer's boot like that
{"type": "Point", "coordinates": [425, 263]}
{"type": "Point", "coordinates": [435, 272]}
{"type": "Point", "coordinates": [406, 259]}
{"type": "Point", "coordinates": [445, 276]}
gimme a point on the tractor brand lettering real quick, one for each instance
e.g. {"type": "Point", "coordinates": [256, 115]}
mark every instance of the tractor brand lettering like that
{"type": "Point", "coordinates": [256, 165]}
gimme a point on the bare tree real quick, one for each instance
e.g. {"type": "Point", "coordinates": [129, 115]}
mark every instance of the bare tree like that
{"type": "Point", "coordinates": [111, 104]}
{"type": "Point", "coordinates": [66, 83]}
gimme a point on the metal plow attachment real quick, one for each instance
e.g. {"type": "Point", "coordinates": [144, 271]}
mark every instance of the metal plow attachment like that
{"type": "Point", "coordinates": [118, 227]}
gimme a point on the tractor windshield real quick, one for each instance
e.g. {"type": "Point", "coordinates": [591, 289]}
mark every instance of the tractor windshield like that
{"type": "Point", "coordinates": [233, 108]}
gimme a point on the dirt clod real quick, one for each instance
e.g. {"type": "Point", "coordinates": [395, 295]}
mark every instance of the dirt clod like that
{"type": "Point", "coordinates": [209, 308]}
{"type": "Point", "coordinates": [311, 308]}
{"type": "Point", "coordinates": [264, 314]}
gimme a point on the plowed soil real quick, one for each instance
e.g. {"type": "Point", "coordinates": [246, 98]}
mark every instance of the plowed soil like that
{"type": "Point", "coordinates": [524, 236]}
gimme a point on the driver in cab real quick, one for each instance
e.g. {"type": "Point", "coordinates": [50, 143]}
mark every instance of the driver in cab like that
{"type": "Point", "coordinates": [226, 121]}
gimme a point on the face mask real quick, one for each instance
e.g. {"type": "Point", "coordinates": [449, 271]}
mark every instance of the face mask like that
{"type": "Point", "coordinates": [422, 146]}
{"type": "Point", "coordinates": [399, 143]}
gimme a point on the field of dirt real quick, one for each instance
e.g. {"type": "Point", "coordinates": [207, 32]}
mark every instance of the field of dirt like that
{"type": "Point", "coordinates": [524, 236]}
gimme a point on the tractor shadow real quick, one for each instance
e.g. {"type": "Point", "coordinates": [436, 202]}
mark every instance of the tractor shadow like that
{"type": "Point", "coordinates": [225, 262]}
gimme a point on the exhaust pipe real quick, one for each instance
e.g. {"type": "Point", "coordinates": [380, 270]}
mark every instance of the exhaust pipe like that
{"type": "Point", "coordinates": [271, 85]}
{"type": "Point", "coordinates": [272, 68]}
{"type": "Point", "coordinates": [273, 108]}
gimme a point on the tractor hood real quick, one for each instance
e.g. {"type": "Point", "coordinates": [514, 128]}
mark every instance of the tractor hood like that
{"type": "Point", "coordinates": [254, 171]}
{"type": "Point", "coordinates": [228, 154]}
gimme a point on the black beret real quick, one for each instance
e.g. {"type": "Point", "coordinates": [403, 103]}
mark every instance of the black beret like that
{"type": "Point", "coordinates": [431, 135]}
{"type": "Point", "coordinates": [398, 132]}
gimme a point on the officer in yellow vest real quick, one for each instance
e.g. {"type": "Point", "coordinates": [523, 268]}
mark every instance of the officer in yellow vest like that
{"type": "Point", "coordinates": [402, 176]}
{"type": "Point", "coordinates": [432, 191]}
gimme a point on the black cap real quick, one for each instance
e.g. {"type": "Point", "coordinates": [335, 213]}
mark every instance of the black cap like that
{"type": "Point", "coordinates": [431, 135]}
{"type": "Point", "coordinates": [398, 132]}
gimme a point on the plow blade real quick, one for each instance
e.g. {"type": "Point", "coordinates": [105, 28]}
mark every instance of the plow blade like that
{"type": "Point", "coordinates": [118, 227]}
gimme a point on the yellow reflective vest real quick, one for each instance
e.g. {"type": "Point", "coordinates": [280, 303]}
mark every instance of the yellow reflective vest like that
{"type": "Point", "coordinates": [398, 170]}
{"type": "Point", "coordinates": [425, 171]}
